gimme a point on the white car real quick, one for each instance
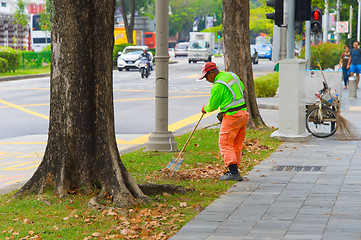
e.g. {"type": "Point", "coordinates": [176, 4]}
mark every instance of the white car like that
{"type": "Point", "coordinates": [129, 58]}
{"type": "Point", "coordinates": [171, 52]}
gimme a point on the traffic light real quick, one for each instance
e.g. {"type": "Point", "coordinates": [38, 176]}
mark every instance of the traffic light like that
{"type": "Point", "coordinates": [219, 34]}
{"type": "Point", "coordinates": [316, 20]}
{"type": "Point", "coordinates": [303, 10]}
{"type": "Point", "coordinates": [277, 16]}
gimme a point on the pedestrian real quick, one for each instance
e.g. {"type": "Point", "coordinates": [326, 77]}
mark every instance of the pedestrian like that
{"type": "Point", "coordinates": [227, 94]}
{"type": "Point", "coordinates": [354, 63]}
{"type": "Point", "coordinates": [345, 57]}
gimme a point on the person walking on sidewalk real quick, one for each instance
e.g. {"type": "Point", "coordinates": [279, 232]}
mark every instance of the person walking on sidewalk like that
{"type": "Point", "coordinates": [354, 63]}
{"type": "Point", "coordinates": [345, 57]}
{"type": "Point", "coordinates": [227, 94]}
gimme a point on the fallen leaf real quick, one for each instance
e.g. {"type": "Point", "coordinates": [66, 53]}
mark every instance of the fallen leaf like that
{"type": "Point", "coordinates": [183, 204]}
{"type": "Point", "coordinates": [26, 221]}
{"type": "Point", "coordinates": [166, 194]}
{"type": "Point", "coordinates": [96, 234]}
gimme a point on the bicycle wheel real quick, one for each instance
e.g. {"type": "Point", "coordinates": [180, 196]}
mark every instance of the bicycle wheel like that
{"type": "Point", "coordinates": [321, 123]}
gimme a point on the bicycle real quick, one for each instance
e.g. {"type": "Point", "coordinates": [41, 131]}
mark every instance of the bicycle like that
{"type": "Point", "coordinates": [321, 121]}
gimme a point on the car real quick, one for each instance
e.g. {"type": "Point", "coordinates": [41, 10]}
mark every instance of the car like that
{"type": "Point", "coordinates": [171, 52]}
{"type": "Point", "coordinates": [254, 54]}
{"type": "Point", "coordinates": [181, 49]}
{"type": "Point", "coordinates": [129, 58]}
{"type": "Point", "coordinates": [264, 51]}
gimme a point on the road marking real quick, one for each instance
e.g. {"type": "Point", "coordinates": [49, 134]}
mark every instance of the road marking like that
{"type": "Point", "coordinates": [354, 108]}
{"type": "Point", "coordinates": [2, 176]}
{"type": "Point", "coordinates": [24, 109]}
{"type": "Point", "coordinates": [15, 167]}
{"type": "Point", "coordinates": [12, 177]}
{"type": "Point", "coordinates": [8, 163]}
{"type": "Point", "coordinates": [16, 181]}
{"type": "Point", "coordinates": [193, 76]}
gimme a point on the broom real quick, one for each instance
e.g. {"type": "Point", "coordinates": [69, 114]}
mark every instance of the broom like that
{"type": "Point", "coordinates": [175, 163]}
{"type": "Point", "coordinates": [345, 129]}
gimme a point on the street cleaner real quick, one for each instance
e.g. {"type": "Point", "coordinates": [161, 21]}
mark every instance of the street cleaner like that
{"type": "Point", "coordinates": [227, 94]}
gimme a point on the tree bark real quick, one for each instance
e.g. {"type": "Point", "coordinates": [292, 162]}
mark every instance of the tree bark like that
{"type": "Point", "coordinates": [237, 54]}
{"type": "Point", "coordinates": [129, 27]}
{"type": "Point", "coordinates": [81, 152]}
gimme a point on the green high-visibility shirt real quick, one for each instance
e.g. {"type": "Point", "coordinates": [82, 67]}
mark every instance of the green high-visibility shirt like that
{"type": "Point", "coordinates": [221, 96]}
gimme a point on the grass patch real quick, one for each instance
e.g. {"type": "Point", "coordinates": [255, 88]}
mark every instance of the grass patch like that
{"type": "Point", "coordinates": [50, 217]}
{"type": "Point", "coordinates": [19, 72]}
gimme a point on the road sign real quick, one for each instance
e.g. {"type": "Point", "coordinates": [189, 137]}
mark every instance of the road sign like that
{"type": "Point", "coordinates": [341, 27]}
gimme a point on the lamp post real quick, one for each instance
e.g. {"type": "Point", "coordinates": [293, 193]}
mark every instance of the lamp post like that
{"type": "Point", "coordinates": [161, 139]}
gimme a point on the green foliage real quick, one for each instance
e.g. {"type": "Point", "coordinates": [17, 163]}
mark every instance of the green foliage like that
{"type": "Point", "coordinates": [47, 48]}
{"type": "Point", "coordinates": [214, 30]}
{"type": "Point", "coordinates": [31, 60]}
{"type": "Point", "coordinates": [20, 14]}
{"type": "Point", "coordinates": [4, 65]}
{"type": "Point", "coordinates": [12, 56]}
{"type": "Point", "coordinates": [258, 23]}
{"type": "Point", "coordinates": [119, 48]}
{"type": "Point", "coordinates": [328, 54]}
{"type": "Point", "coordinates": [184, 12]}
{"type": "Point", "coordinates": [266, 86]}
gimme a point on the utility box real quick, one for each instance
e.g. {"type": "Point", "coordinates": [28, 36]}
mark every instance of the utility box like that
{"type": "Point", "coordinates": [292, 107]}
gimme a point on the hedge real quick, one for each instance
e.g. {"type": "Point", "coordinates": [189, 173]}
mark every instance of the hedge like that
{"type": "Point", "coordinates": [4, 65]}
{"type": "Point", "coordinates": [266, 86]}
{"type": "Point", "coordinates": [328, 54]}
{"type": "Point", "coordinates": [12, 56]}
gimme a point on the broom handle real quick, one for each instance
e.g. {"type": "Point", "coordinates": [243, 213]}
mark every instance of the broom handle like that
{"type": "Point", "coordinates": [189, 138]}
{"type": "Point", "coordinates": [333, 102]}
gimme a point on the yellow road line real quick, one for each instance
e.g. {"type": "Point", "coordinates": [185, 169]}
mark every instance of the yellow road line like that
{"type": "Point", "coordinates": [354, 108]}
{"type": "Point", "coordinates": [193, 76]}
{"type": "Point", "coordinates": [10, 163]}
{"type": "Point", "coordinates": [15, 167]}
{"type": "Point", "coordinates": [2, 176]}
{"type": "Point", "coordinates": [16, 181]}
{"type": "Point", "coordinates": [24, 109]}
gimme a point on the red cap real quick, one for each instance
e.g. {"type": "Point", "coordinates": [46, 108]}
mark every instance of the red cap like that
{"type": "Point", "coordinates": [208, 66]}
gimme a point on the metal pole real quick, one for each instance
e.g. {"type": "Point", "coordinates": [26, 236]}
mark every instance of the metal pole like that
{"type": "Point", "coordinates": [161, 139]}
{"type": "Point", "coordinates": [283, 48]}
{"type": "Point", "coordinates": [308, 45]}
{"type": "Point", "coordinates": [350, 23]}
{"type": "Point", "coordinates": [290, 28]}
{"type": "Point", "coordinates": [276, 44]}
{"type": "Point", "coordinates": [358, 21]}
{"type": "Point", "coordinates": [338, 19]}
{"type": "Point", "coordinates": [325, 29]}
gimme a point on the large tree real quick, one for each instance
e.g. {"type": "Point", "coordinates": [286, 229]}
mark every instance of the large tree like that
{"type": "Point", "coordinates": [81, 153]}
{"type": "Point", "coordinates": [237, 52]}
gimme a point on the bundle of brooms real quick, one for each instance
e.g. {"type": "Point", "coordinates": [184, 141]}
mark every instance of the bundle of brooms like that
{"type": "Point", "coordinates": [345, 129]}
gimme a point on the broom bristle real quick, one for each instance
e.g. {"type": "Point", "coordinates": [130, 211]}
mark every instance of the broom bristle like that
{"type": "Point", "coordinates": [346, 130]}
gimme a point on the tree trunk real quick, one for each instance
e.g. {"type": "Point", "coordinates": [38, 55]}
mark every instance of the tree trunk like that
{"type": "Point", "coordinates": [237, 53]}
{"type": "Point", "coordinates": [81, 152]}
{"type": "Point", "coordinates": [129, 27]}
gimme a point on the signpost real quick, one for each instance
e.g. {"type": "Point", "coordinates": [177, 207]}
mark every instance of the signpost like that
{"type": "Point", "coordinates": [342, 27]}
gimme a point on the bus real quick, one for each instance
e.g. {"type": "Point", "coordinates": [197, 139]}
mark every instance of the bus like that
{"type": "Point", "coordinates": [149, 39]}
{"type": "Point", "coordinates": [38, 39]}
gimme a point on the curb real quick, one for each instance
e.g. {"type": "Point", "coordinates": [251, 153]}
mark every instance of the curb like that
{"type": "Point", "coordinates": [20, 77]}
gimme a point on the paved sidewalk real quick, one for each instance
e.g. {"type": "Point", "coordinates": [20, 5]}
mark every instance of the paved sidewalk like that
{"type": "Point", "coordinates": [304, 191]}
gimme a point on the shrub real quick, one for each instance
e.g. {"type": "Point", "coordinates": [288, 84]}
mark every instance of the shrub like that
{"type": "Point", "coordinates": [266, 86]}
{"type": "Point", "coordinates": [119, 48]}
{"type": "Point", "coordinates": [12, 56]}
{"type": "Point", "coordinates": [328, 54]}
{"type": "Point", "coordinates": [4, 65]}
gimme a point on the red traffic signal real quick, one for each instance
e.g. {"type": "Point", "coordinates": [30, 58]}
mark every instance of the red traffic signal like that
{"type": "Point", "coordinates": [316, 20]}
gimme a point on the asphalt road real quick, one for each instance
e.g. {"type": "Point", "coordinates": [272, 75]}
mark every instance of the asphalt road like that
{"type": "Point", "coordinates": [24, 104]}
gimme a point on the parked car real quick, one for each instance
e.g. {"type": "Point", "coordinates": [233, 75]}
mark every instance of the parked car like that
{"type": "Point", "coordinates": [129, 58]}
{"type": "Point", "coordinates": [181, 49]}
{"type": "Point", "coordinates": [264, 51]}
{"type": "Point", "coordinates": [171, 52]}
{"type": "Point", "coordinates": [254, 54]}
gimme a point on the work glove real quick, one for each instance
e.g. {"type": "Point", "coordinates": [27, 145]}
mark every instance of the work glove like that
{"type": "Point", "coordinates": [203, 109]}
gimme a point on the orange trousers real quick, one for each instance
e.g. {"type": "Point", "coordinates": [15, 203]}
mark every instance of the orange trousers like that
{"type": "Point", "coordinates": [231, 136]}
